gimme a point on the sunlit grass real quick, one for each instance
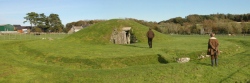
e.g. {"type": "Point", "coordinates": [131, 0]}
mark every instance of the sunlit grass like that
{"type": "Point", "coordinates": [82, 57]}
{"type": "Point", "coordinates": [56, 61]}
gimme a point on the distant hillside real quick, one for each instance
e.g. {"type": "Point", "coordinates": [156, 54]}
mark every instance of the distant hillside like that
{"type": "Point", "coordinates": [101, 32]}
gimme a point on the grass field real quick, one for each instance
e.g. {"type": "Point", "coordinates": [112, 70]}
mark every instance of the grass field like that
{"type": "Point", "coordinates": [63, 60]}
{"type": "Point", "coordinates": [32, 36]}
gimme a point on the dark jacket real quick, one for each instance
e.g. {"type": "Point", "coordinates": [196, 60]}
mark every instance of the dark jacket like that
{"type": "Point", "coordinates": [150, 34]}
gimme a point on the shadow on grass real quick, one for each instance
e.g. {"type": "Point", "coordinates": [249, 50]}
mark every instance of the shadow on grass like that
{"type": "Point", "coordinates": [161, 59]}
{"type": "Point", "coordinates": [206, 64]}
{"type": "Point", "coordinates": [136, 46]}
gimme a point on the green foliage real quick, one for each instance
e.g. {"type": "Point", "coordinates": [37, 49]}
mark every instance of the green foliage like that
{"type": "Point", "coordinates": [83, 23]}
{"type": "Point", "coordinates": [55, 23]}
{"type": "Point", "coordinates": [218, 23]}
{"type": "Point", "coordinates": [36, 29]}
{"type": "Point", "coordinates": [51, 23]}
{"type": "Point", "coordinates": [31, 18]}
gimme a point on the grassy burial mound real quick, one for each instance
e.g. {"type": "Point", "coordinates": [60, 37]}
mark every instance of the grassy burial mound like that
{"type": "Point", "coordinates": [101, 32]}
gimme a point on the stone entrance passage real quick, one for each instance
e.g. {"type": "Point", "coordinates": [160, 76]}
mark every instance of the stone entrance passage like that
{"type": "Point", "coordinates": [121, 36]}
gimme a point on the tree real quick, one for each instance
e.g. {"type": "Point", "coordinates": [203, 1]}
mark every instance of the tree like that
{"type": "Point", "coordinates": [245, 27]}
{"type": "Point", "coordinates": [55, 23]}
{"type": "Point", "coordinates": [222, 28]}
{"type": "Point", "coordinates": [37, 29]}
{"type": "Point", "coordinates": [229, 28]}
{"type": "Point", "coordinates": [186, 28]}
{"type": "Point", "coordinates": [194, 19]}
{"type": "Point", "coordinates": [208, 25]}
{"type": "Point", "coordinates": [195, 29]}
{"type": "Point", "coordinates": [179, 20]}
{"type": "Point", "coordinates": [43, 22]}
{"type": "Point", "coordinates": [169, 28]}
{"type": "Point", "coordinates": [237, 28]}
{"type": "Point", "coordinates": [230, 16]}
{"type": "Point", "coordinates": [80, 23]}
{"type": "Point", "coordinates": [31, 18]}
{"type": "Point", "coordinates": [69, 26]}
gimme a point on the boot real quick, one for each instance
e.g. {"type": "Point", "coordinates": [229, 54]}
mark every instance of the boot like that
{"type": "Point", "coordinates": [216, 62]}
{"type": "Point", "coordinates": [150, 45]}
{"type": "Point", "coordinates": [212, 62]}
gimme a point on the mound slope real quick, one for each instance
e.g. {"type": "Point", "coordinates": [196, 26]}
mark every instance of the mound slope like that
{"type": "Point", "coordinates": [101, 32]}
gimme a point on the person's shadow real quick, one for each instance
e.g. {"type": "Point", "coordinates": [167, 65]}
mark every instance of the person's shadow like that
{"type": "Point", "coordinates": [161, 59]}
{"type": "Point", "coordinates": [134, 46]}
{"type": "Point", "coordinates": [206, 64]}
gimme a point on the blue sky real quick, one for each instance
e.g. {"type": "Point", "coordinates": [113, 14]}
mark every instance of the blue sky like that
{"type": "Point", "coordinates": [13, 11]}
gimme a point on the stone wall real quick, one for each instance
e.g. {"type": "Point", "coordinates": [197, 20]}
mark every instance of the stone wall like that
{"type": "Point", "coordinates": [120, 37]}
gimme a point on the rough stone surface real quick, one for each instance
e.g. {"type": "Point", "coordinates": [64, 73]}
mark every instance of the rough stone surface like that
{"type": "Point", "coordinates": [183, 60]}
{"type": "Point", "coordinates": [121, 37]}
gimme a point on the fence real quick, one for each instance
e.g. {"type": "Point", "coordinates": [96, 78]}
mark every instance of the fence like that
{"type": "Point", "coordinates": [31, 36]}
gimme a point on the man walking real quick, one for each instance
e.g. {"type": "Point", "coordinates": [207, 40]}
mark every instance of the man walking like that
{"type": "Point", "coordinates": [213, 45]}
{"type": "Point", "coordinates": [150, 35]}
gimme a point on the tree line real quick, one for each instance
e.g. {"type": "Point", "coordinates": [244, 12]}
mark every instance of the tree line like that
{"type": "Point", "coordinates": [191, 24]}
{"type": "Point", "coordinates": [43, 23]}
{"type": "Point", "coordinates": [202, 24]}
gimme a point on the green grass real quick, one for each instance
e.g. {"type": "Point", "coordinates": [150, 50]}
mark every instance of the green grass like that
{"type": "Point", "coordinates": [54, 61]}
{"type": "Point", "coordinates": [74, 59]}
